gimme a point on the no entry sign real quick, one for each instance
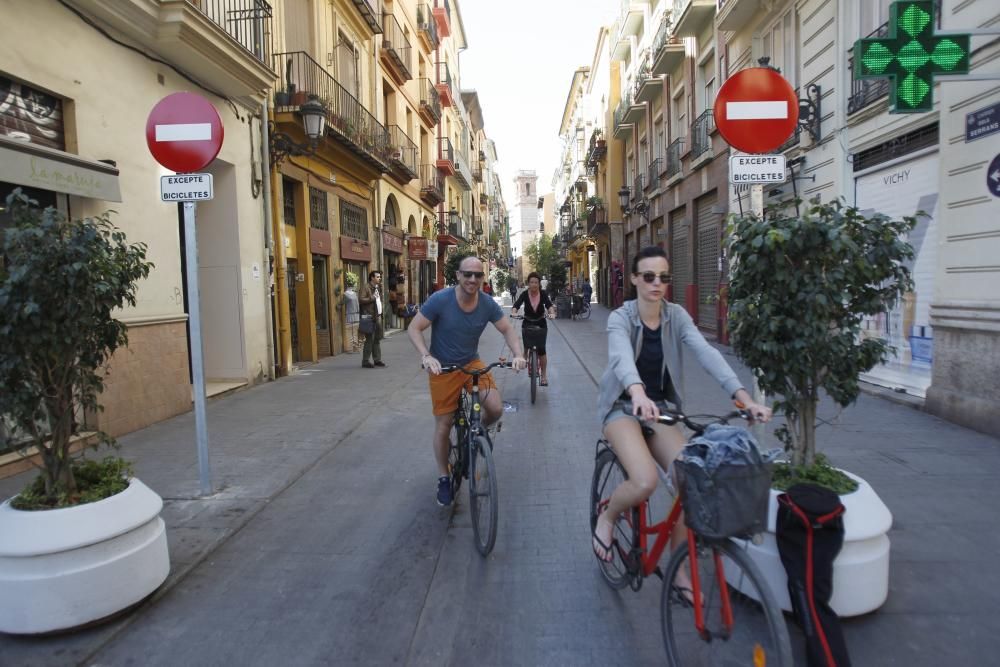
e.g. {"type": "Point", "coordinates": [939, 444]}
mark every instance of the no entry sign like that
{"type": "Point", "coordinates": [756, 110]}
{"type": "Point", "coordinates": [184, 132]}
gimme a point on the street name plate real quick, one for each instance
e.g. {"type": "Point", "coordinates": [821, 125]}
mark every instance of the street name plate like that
{"type": "Point", "coordinates": [186, 187]}
{"type": "Point", "coordinates": [756, 169]}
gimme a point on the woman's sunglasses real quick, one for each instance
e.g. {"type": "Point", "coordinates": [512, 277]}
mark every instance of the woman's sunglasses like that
{"type": "Point", "coordinates": [478, 275]}
{"type": "Point", "coordinates": [649, 277]}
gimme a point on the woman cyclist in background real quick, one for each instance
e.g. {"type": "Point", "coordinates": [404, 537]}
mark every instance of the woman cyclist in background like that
{"type": "Point", "coordinates": [536, 305]}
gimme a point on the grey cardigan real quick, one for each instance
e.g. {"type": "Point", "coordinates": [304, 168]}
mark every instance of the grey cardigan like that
{"type": "Point", "coordinates": [676, 328]}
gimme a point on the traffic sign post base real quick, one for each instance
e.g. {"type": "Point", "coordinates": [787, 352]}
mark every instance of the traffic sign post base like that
{"type": "Point", "coordinates": [197, 360]}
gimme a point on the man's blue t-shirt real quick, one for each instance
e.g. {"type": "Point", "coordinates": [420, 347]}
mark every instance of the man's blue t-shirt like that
{"type": "Point", "coordinates": [455, 333]}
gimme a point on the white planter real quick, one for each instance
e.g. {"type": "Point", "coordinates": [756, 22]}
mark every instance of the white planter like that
{"type": "Point", "coordinates": [861, 570]}
{"type": "Point", "coordinates": [67, 567]}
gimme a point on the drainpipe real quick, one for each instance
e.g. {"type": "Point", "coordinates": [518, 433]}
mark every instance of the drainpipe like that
{"type": "Point", "coordinates": [265, 177]}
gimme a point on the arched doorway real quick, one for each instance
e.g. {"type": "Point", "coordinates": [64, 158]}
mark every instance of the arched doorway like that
{"type": "Point", "coordinates": [393, 279]}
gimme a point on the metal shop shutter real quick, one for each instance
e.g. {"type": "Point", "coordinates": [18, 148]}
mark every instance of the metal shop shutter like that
{"type": "Point", "coordinates": [708, 260]}
{"type": "Point", "coordinates": [680, 256]}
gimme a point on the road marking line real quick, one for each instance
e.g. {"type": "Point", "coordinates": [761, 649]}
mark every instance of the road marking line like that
{"type": "Point", "coordinates": [184, 132]}
{"type": "Point", "coordinates": [756, 110]}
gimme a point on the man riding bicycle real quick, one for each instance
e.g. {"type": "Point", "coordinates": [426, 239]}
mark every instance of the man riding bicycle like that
{"type": "Point", "coordinates": [536, 306]}
{"type": "Point", "coordinates": [459, 316]}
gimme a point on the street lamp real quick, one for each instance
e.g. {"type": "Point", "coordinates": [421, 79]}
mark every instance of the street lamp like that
{"type": "Point", "coordinates": [623, 197]}
{"type": "Point", "coordinates": [453, 221]}
{"type": "Point", "coordinates": [314, 121]}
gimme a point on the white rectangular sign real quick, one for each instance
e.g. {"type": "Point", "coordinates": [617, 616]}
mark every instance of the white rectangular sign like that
{"type": "Point", "coordinates": [756, 169]}
{"type": "Point", "coordinates": [186, 187]}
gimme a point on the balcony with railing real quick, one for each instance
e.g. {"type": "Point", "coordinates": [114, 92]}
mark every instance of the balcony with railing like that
{"type": "Point", "coordinates": [444, 85]}
{"type": "Point", "coordinates": [396, 52]}
{"type": "Point", "coordinates": [668, 49]}
{"type": "Point", "coordinates": [347, 120]}
{"type": "Point", "coordinates": [647, 86]}
{"type": "Point", "coordinates": [674, 157]}
{"type": "Point", "coordinates": [431, 184]}
{"type": "Point", "coordinates": [631, 16]}
{"type": "Point", "coordinates": [463, 173]}
{"type": "Point", "coordinates": [735, 14]}
{"type": "Point", "coordinates": [371, 13]}
{"type": "Point", "coordinates": [227, 42]}
{"type": "Point", "coordinates": [623, 130]}
{"type": "Point", "coordinates": [701, 134]}
{"type": "Point", "coordinates": [638, 187]}
{"type": "Point", "coordinates": [442, 15]}
{"type": "Point", "coordinates": [427, 31]}
{"type": "Point", "coordinates": [653, 172]}
{"type": "Point", "coordinates": [477, 171]}
{"type": "Point", "coordinates": [865, 92]}
{"type": "Point", "coordinates": [403, 155]}
{"type": "Point", "coordinates": [597, 149]}
{"type": "Point", "coordinates": [691, 17]}
{"type": "Point", "coordinates": [597, 221]}
{"type": "Point", "coordinates": [430, 102]}
{"type": "Point", "coordinates": [446, 156]}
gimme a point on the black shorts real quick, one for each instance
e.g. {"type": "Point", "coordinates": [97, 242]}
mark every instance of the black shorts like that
{"type": "Point", "coordinates": [534, 337]}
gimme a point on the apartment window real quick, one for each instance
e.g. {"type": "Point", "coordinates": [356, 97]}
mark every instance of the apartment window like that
{"type": "Point", "coordinates": [318, 217]}
{"type": "Point", "coordinates": [678, 115]}
{"type": "Point", "coordinates": [873, 13]}
{"type": "Point", "coordinates": [780, 43]}
{"type": "Point", "coordinates": [353, 221]}
{"type": "Point", "coordinates": [661, 144]}
{"type": "Point", "coordinates": [288, 201]}
{"type": "Point", "coordinates": [706, 76]}
{"type": "Point", "coordinates": [347, 65]}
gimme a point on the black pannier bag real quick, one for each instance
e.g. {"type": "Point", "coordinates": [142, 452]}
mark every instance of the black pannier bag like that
{"type": "Point", "coordinates": [810, 534]}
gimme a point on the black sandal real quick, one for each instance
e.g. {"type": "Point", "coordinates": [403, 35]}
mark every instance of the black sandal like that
{"type": "Point", "coordinates": [609, 554]}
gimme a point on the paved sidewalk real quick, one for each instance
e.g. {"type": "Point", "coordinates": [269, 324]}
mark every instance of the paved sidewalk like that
{"type": "Point", "coordinates": [323, 545]}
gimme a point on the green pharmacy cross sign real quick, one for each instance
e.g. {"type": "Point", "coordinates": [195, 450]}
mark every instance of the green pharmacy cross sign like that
{"type": "Point", "coordinates": [910, 56]}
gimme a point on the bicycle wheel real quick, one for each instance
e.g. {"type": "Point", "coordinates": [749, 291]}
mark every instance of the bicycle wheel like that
{"type": "Point", "coordinates": [483, 498]}
{"type": "Point", "coordinates": [457, 464]}
{"type": "Point", "coordinates": [608, 474]}
{"type": "Point", "coordinates": [758, 634]}
{"type": "Point", "coordinates": [533, 373]}
{"type": "Point", "coordinates": [585, 311]}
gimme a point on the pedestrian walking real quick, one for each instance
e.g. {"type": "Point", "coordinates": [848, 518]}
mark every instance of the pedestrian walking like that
{"type": "Point", "coordinates": [588, 291]}
{"type": "Point", "coordinates": [370, 304]}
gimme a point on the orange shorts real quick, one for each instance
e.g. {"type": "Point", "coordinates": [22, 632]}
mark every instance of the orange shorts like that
{"type": "Point", "coordinates": [446, 387]}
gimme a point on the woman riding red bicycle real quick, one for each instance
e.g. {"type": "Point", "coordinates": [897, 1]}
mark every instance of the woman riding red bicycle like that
{"type": "Point", "coordinates": [645, 339]}
{"type": "Point", "coordinates": [536, 305]}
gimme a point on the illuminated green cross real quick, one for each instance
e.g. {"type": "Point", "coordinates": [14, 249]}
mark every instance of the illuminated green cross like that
{"type": "Point", "coordinates": [910, 56]}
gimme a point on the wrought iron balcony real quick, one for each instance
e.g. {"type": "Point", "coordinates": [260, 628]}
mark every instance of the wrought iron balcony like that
{"type": "Point", "coordinates": [442, 15]}
{"type": "Point", "coordinates": [647, 86]}
{"type": "Point", "coordinates": [701, 133]}
{"type": "Point", "coordinates": [597, 149]}
{"type": "Point", "coordinates": [444, 86]}
{"type": "Point", "coordinates": [623, 129]}
{"type": "Point", "coordinates": [674, 157]}
{"type": "Point", "coordinates": [865, 92]}
{"type": "Point", "coordinates": [347, 120]}
{"type": "Point", "coordinates": [597, 221]}
{"type": "Point", "coordinates": [228, 43]}
{"type": "Point", "coordinates": [477, 171]}
{"type": "Point", "coordinates": [463, 174]}
{"type": "Point", "coordinates": [668, 49]}
{"type": "Point", "coordinates": [430, 102]}
{"type": "Point", "coordinates": [431, 184]}
{"type": "Point", "coordinates": [427, 27]}
{"type": "Point", "coordinates": [402, 155]}
{"type": "Point", "coordinates": [446, 156]}
{"type": "Point", "coordinates": [371, 12]}
{"type": "Point", "coordinates": [653, 173]}
{"type": "Point", "coordinates": [396, 49]}
{"type": "Point", "coordinates": [691, 17]}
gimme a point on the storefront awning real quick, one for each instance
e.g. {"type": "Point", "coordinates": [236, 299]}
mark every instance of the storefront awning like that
{"type": "Point", "coordinates": [24, 163]}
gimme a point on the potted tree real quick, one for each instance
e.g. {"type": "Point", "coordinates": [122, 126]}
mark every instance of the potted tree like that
{"type": "Point", "coordinates": [802, 281]}
{"type": "Point", "coordinates": [84, 540]}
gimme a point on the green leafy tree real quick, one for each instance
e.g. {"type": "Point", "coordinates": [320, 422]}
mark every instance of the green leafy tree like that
{"type": "Point", "coordinates": [60, 283]}
{"type": "Point", "coordinates": [799, 289]}
{"type": "Point", "coordinates": [454, 260]}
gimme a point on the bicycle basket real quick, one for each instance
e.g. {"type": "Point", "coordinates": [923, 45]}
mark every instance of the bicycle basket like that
{"type": "Point", "coordinates": [730, 501]}
{"type": "Point", "coordinates": [533, 336]}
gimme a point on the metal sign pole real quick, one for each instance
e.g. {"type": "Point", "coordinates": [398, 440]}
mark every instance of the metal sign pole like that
{"type": "Point", "coordinates": [197, 362]}
{"type": "Point", "coordinates": [757, 207]}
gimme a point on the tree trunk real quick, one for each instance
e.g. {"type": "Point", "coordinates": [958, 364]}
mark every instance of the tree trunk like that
{"type": "Point", "coordinates": [808, 431]}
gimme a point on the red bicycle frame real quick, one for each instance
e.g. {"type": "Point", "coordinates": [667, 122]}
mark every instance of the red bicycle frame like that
{"type": "Point", "coordinates": [650, 557]}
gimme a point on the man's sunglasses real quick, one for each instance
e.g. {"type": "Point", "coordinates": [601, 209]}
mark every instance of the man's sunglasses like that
{"type": "Point", "coordinates": [478, 275]}
{"type": "Point", "coordinates": [649, 277]}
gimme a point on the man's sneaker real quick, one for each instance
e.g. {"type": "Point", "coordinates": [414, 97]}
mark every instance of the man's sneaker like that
{"type": "Point", "coordinates": [444, 491]}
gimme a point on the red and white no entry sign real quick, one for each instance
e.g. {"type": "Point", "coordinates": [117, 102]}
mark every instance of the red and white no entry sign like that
{"type": "Point", "coordinates": [184, 132]}
{"type": "Point", "coordinates": [756, 110]}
